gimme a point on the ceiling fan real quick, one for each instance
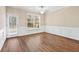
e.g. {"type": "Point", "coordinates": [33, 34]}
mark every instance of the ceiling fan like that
{"type": "Point", "coordinates": [43, 9]}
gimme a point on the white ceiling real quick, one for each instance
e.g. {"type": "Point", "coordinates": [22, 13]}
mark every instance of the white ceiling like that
{"type": "Point", "coordinates": [36, 8]}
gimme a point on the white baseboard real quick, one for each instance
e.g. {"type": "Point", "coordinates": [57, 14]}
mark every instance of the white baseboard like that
{"type": "Point", "coordinates": [70, 32]}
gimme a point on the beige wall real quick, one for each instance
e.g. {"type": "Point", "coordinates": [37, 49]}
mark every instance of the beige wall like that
{"type": "Point", "coordinates": [2, 16]}
{"type": "Point", "coordinates": [67, 17]}
{"type": "Point", "coordinates": [22, 16]}
{"type": "Point", "coordinates": [2, 25]}
{"type": "Point", "coordinates": [19, 13]}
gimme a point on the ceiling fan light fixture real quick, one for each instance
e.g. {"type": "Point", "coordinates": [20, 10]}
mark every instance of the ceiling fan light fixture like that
{"type": "Point", "coordinates": [42, 9]}
{"type": "Point", "coordinates": [42, 12]}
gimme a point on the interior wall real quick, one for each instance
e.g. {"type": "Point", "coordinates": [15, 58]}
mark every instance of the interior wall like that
{"type": "Point", "coordinates": [23, 15]}
{"type": "Point", "coordinates": [20, 13]}
{"type": "Point", "coordinates": [23, 20]}
{"type": "Point", "coordinates": [2, 25]}
{"type": "Point", "coordinates": [66, 17]}
{"type": "Point", "coordinates": [1, 17]}
{"type": "Point", "coordinates": [64, 22]}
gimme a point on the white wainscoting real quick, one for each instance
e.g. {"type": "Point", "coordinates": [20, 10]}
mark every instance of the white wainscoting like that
{"type": "Point", "coordinates": [2, 38]}
{"type": "Point", "coordinates": [25, 31]}
{"type": "Point", "coordinates": [70, 32]}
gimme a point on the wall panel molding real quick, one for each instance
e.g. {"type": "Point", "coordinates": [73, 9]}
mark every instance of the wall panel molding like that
{"type": "Point", "coordinates": [70, 32]}
{"type": "Point", "coordinates": [25, 31]}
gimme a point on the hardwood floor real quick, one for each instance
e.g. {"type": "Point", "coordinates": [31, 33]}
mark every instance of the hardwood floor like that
{"type": "Point", "coordinates": [41, 42]}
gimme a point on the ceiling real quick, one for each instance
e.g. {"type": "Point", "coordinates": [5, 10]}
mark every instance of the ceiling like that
{"type": "Point", "coordinates": [36, 8]}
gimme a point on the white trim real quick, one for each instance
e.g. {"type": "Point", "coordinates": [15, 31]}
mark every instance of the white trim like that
{"type": "Point", "coordinates": [24, 31]}
{"type": "Point", "coordinates": [70, 32]}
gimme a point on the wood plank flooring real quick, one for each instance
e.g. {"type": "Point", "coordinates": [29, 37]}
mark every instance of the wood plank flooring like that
{"type": "Point", "coordinates": [41, 42]}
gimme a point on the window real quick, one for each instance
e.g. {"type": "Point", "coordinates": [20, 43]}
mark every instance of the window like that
{"type": "Point", "coordinates": [12, 24]}
{"type": "Point", "coordinates": [33, 21]}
